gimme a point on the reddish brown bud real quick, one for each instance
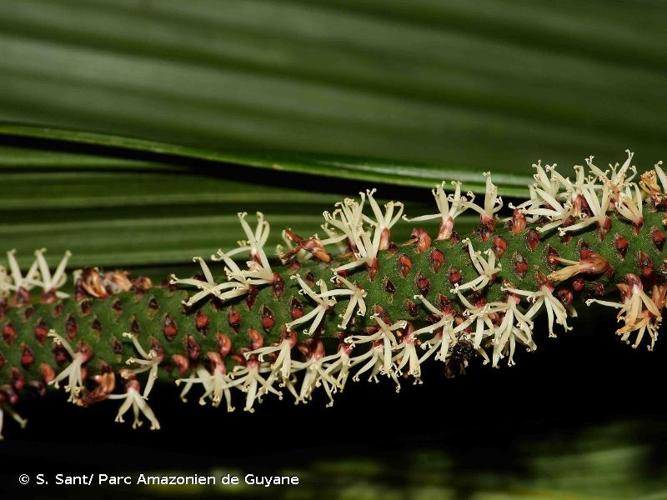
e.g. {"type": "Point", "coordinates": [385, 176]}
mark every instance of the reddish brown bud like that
{"type": "Point", "coordinates": [552, 257]}
{"type": "Point", "coordinates": [437, 259]}
{"type": "Point", "coordinates": [454, 277]}
{"type": "Point", "coordinates": [234, 318]}
{"type": "Point", "coordinates": [404, 265]}
{"type": "Point", "coordinates": [86, 306]}
{"type": "Point", "coordinates": [48, 297]}
{"type": "Point", "coordinates": [27, 356]}
{"type": "Point", "coordinates": [256, 339]}
{"type": "Point", "coordinates": [389, 286]}
{"type": "Point", "coordinates": [621, 244]}
{"type": "Point", "coordinates": [181, 363]}
{"type": "Point", "coordinates": [153, 304]}
{"type": "Point", "coordinates": [268, 319]}
{"type": "Point", "coordinates": [192, 348]}
{"type": "Point", "coordinates": [518, 222]}
{"type": "Point", "coordinates": [658, 237]}
{"type": "Point", "coordinates": [372, 269]}
{"type": "Point", "coordinates": [423, 284]}
{"type": "Point", "coordinates": [604, 227]}
{"type": "Point", "coordinates": [48, 373]}
{"type": "Point", "coordinates": [224, 344]}
{"type": "Point", "coordinates": [22, 297]}
{"type": "Point", "coordinates": [585, 253]}
{"type": "Point", "coordinates": [251, 296]}
{"type": "Point", "coordinates": [484, 233]}
{"type": "Point", "coordinates": [18, 379]}
{"type": "Point", "coordinates": [646, 265]}
{"type": "Point", "coordinates": [421, 239]}
{"type": "Point", "coordinates": [28, 312]}
{"type": "Point", "coordinates": [311, 245]}
{"type": "Point", "coordinates": [9, 333]}
{"type": "Point", "coordinates": [411, 307]}
{"type": "Point", "coordinates": [578, 284]}
{"type": "Point", "coordinates": [71, 327]}
{"type": "Point", "coordinates": [520, 265]}
{"type": "Point", "coordinates": [201, 321]}
{"type": "Point", "coordinates": [91, 283]}
{"type": "Point", "coordinates": [116, 346]}
{"type": "Point", "coordinates": [296, 309]}
{"type": "Point", "coordinates": [532, 239]}
{"type": "Point", "coordinates": [169, 328]}
{"type": "Point", "coordinates": [278, 285]}
{"type": "Point", "coordinates": [499, 246]}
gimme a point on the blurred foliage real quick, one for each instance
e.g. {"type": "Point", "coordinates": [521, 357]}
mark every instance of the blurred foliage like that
{"type": "Point", "coordinates": [484, 85]}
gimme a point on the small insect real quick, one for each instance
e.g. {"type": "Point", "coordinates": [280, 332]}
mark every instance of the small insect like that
{"type": "Point", "coordinates": [460, 354]}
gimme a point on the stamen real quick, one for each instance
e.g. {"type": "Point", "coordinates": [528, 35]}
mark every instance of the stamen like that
{"type": "Point", "coordinates": [73, 372]}
{"type": "Point", "coordinates": [323, 301]}
{"type": "Point", "coordinates": [47, 282]}
{"type": "Point", "coordinates": [137, 402]}
{"type": "Point", "coordinates": [486, 269]}
{"type": "Point", "coordinates": [149, 362]}
{"type": "Point", "coordinates": [356, 294]}
{"type": "Point", "coordinates": [447, 213]}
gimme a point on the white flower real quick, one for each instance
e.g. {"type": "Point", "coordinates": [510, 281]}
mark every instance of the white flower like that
{"type": "Point", "coordinates": [339, 365]}
{"type": "Point", "coordinates": [333, 239]}
{"type": "Point", "coordinates": [20, 282]}
{"type": "Point", "coordinates": [137, 402]}
{"type": "Point", "coordinates": [383, 222]}
{"type": "Point", "coordinates": [223, 291]}
{"type": "Point", "coordinates": [599, 208]}
{"type": "Point", "coordinates": [630, 206]}
{"type": "Point", "coordinates": [492, 203]}
{"type": "Point", "coordinates": [485, 268]}
{"type": "Point", "coordinates": [216, 383]}
{"type": "Point", "coordinates": [248, 378]}
{"type": "Point", "coordinates": [379, 356]}
{"type": "Point", "coordinates": [347, 218]}
{"type": "Point", "coordinates": [356, 301]}
{"type": "Point", "coordinates": [480, 315]}
{"type": "Point", "coordinates": [48, 282]}
{"type": "Point", "coordinates": [638, 311]}
{"type": "Point", "coordinates": [316, 374]}
{"type": "Point", "coordinates": [556, 312]}
{"type": "Point", "coordinates": [515, 326]}
{"type": "Point", "coordinates": [259, 268]}
{"type": "Point", "coordinates": [73, 371]}
{"type": "Point", "coordinates": [323, 301]}
{"type": "Point", "coordinates": [283, 364]}
{"type": "Point", "coordinates": [550, 185]}
{"type": "Point", "coordinates": [149, 362]}
{"type": "Point", "coordinates": [443, 330]}
{"type": "Point", "coordinates": [616, 181]}
{"type": "Point", "coordinates": [447, 213]}
{"type": "Point", "coordinates": [405, 354]}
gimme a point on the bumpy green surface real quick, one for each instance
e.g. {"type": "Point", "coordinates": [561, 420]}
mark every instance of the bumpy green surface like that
{"type": "Point", "coordinates": [102, 325]}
